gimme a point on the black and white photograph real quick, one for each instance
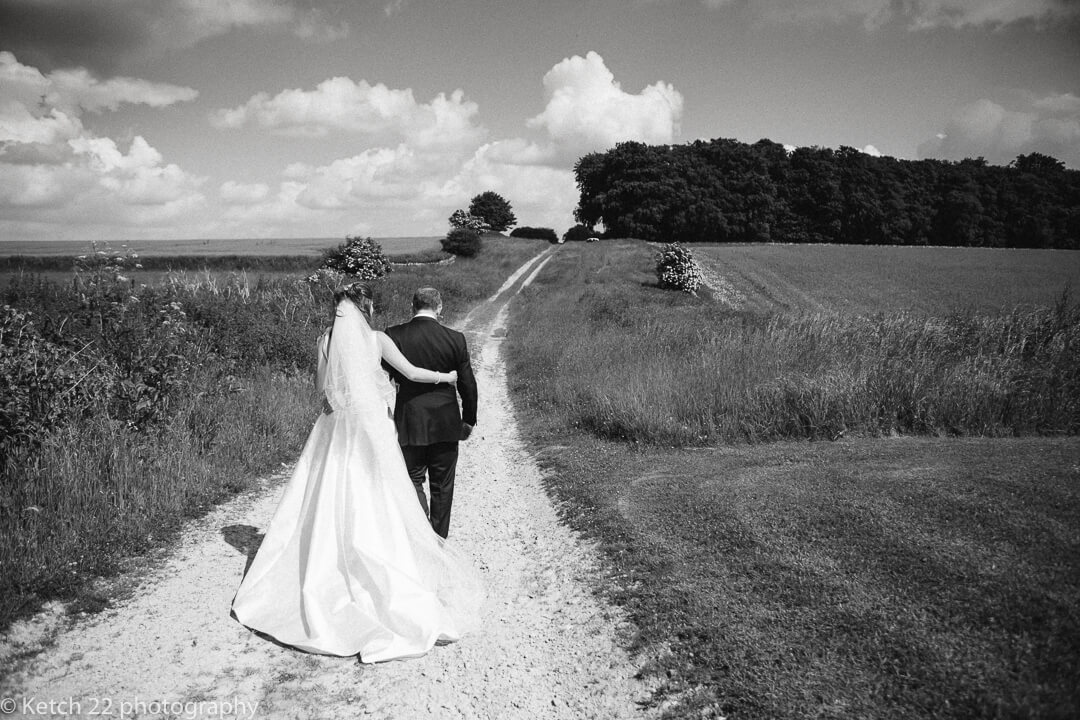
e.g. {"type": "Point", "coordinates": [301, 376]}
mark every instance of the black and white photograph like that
{"type": "Point", "coordinates": [540, 359]}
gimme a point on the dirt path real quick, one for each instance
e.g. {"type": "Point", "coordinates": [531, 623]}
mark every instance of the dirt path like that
{"type": "Point", "coordinates": [548, 648]}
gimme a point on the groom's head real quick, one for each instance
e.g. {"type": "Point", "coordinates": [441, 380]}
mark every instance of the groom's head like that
{"type": "Point", "coordinates": [427, 298]}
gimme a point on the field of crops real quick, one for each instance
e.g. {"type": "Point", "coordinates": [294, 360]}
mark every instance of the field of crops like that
{"type": "Point", "coordinates": [927, 280]}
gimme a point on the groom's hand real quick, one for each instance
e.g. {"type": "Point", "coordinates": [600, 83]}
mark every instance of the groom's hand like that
{"type": "Point", "coordinates": [466, 431]}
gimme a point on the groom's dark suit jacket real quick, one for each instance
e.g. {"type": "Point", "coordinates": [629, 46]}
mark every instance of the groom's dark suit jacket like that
{"type": "Point", "coordinates": [427, 413]}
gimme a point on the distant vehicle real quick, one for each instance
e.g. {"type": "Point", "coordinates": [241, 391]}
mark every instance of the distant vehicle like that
{"type": "Point", "coordinates": [593, 239]}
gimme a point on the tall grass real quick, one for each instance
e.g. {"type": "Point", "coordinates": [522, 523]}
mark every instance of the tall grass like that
{"type": "Point", "coordinates": [94, 492]}
{"type": "Point", "coordinates": [206, 383]}
{"type": "Point", "coordinates": [597, 344]}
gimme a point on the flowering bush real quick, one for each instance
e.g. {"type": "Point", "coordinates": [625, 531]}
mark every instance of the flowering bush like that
{"type": "Point", "coordinates": [465, 219]}
{"type": "Point", "coordinates": [677, 269]}
{"type": "Point", "coordinates": [360, 258]}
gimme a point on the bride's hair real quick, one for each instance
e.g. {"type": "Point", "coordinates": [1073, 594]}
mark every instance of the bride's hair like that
{"type": "Point", "coordinates": [360, 295]}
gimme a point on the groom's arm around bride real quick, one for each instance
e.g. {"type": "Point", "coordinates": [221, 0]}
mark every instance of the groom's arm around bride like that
{"type": "Point", "coordinates": [428, 419]}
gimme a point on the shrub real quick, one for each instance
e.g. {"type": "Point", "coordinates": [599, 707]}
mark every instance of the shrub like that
{"type": "Point", "coordinates": [578, 233]}
{"type": "Point", "coordinates": [462, 241]}
{"type": "Point", "coordinates": [361, 258]}
{"type": "Point", "coordinates": [535, 233]}
{"type": "Point", "coordinates": [677, 269]}
{"type": "Point", "coordinates": [42, 383]}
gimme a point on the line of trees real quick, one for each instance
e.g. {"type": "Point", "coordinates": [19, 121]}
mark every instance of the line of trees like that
{"type": "Point", "coordinates": [726, 191]}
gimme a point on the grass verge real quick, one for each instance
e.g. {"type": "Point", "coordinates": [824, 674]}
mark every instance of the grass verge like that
{"type": "Point", "coordinates": [905, 578]}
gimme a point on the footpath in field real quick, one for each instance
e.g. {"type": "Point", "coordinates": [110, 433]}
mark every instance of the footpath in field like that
{"type": "Point", "coordinates": [548, 648]}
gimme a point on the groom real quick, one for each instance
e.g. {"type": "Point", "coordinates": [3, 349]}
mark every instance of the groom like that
{"type": "Point", "coordinates": [429, 424]}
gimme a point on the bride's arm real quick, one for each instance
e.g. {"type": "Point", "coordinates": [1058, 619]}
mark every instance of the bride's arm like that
{"type": "Point", "coordinates": [393, 356]}
{"type": "Point", "coordinates": [320, 371]}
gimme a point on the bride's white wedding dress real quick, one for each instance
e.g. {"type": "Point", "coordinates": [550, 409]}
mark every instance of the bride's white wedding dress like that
{"type": "Point", "coordinates": [349, 564]}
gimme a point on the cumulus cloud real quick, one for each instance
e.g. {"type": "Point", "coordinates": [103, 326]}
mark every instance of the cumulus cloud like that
{"type": "Point", "coordinates": [58, 98]}
{"type": "Point", "coordinates": [374, 175]}
{"type": "Point", "coordinates": [419, 162]}
{"type": "Point", "coordinates": [52, 166]}
{"type": "Point", "coordinates": [438, 158]}
{"type": "Point", "coordinates": [917, 14]}
{"type": "Point", "coordinates": [342, 104]}
{"type": "Point", "coordinates": [411, 192]}
{"type": "Point", "coordinates": [1048, 125]}
{"type": "Point", "coordinates": [67, 32]}
{"type": "Point", "coordinates": [587, 110]}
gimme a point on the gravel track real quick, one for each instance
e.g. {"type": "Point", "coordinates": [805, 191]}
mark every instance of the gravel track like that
{"type": "Point", "coordinates": [548, 647]}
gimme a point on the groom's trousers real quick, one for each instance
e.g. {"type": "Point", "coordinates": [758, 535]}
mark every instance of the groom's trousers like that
{"type": "Point", "coordinates": [439, 462]}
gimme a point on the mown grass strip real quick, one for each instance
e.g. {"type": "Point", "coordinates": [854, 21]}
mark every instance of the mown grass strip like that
{"type": "Point", "coordinates": [898, 578]}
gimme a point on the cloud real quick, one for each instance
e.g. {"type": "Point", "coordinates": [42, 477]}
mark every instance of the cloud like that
{"type": "Point", "coordinates": [57, 33]}
{"type": "Point", "coordinates": [587, 110]}
{"type": "Point", "coordinates": [342, 104]}
{"type": "Point", "coordinates": [433, 157]}
{"type": "Point", "coordinates": [930, 14]}
{"type": "Point", "coordinates": [386, 191]}
{"type": "Point", "coordinates": [420, 160]}
{"type": "Point", "coordinates": [74, 90]}
{"type": "Point", "coordinates": [1048, 125]}
{"type": "Point", "coordinates": [917, 14]}
{"type": "Point", "coordinates": [55, 172]}
{"type": "Point", "coordinates": [374, 175]}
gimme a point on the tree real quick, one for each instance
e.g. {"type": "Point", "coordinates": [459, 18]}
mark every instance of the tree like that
{"type": "Point", "coordinates": [494, 210]}
{"type": "Point", "coordinates": [1038, 164]}
{"type": "Point", "coordinates": [726, 191]}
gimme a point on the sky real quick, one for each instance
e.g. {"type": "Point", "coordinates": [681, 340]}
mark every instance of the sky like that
{"type": "Point", "coordinates": [130, 120]}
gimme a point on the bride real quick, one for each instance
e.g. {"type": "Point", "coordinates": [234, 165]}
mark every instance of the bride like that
{"type": "Point", "coordinates": [349, 564]}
